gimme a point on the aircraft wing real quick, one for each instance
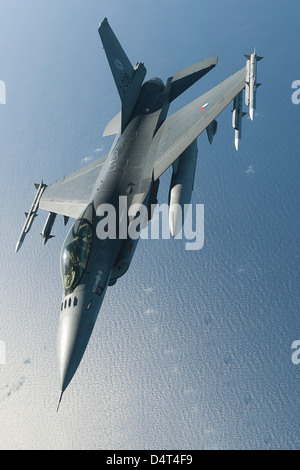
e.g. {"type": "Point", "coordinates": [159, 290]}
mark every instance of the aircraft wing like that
{"type": "Point", "coordinates": [70, 195]}
{"type": "Point", "coordinates": [183, 127]}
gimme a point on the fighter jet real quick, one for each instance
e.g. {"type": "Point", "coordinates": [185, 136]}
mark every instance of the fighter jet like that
{"type": "Point", "coordinates": [147, 143]}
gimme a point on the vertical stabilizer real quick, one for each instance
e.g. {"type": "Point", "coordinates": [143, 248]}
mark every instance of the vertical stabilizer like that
{"type": "Point", "coordinates": [128, 79]}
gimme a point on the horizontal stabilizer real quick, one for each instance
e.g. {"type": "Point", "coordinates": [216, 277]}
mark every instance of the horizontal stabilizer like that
{"type": "Point", "coordinates": [186, 77]}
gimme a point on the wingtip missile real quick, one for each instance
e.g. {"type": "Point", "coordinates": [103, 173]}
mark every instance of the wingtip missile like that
{"type": "Point", "coordinates": [250, 82]}
{"type": "Point", "coordinates": [31, 215]}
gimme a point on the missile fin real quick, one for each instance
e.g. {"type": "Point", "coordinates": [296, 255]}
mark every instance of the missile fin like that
{"type": "Point", "coordinates": [48, 237]}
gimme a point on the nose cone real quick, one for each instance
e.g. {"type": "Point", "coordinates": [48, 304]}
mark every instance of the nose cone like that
{"type": "Point", "coordinates": [73, 336]}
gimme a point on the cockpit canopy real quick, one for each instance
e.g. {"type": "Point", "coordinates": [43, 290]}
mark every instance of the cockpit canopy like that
{"type": "Point", "coordinates": [76, 251]}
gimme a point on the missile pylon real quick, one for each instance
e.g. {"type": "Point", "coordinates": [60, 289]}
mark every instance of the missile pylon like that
{"type": "Point", "coordinates": [211, 130]}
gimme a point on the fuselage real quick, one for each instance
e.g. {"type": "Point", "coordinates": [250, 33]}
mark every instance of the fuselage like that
{"type": "Point", "coordinates": [89, 263]}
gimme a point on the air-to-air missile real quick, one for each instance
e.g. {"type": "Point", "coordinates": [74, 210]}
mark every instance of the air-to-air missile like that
{"type": "Point", "coordinates": [237, 114]}
{"type": "Point", "coordinates": [30, 216]}
{"type": "Point", "coordinates": [251, 85]}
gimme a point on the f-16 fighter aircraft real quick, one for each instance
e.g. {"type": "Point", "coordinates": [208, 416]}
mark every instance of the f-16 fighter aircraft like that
{"type": "Point", "coordinates": [147, 143]}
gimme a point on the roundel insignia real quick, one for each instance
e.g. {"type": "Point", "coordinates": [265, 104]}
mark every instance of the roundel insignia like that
{"type": "Point", "coordinates": [119, 64]}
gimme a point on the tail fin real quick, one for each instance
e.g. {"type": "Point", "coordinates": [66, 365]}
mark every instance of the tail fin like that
{"type": "Point", "coordinates": [128, 79]}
